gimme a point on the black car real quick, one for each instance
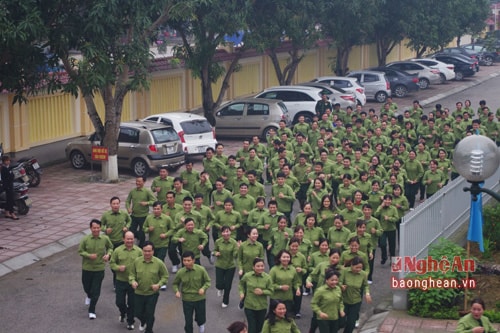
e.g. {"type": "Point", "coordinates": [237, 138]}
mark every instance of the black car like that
{"type": "Point", "coordinates": [401, 82]}
{"type": "Point", "coordinates": [488, 57]}
{"type": "Point", "coordinates": [463, 66]}
{"type": "Point", "coordinates": [478, 56]}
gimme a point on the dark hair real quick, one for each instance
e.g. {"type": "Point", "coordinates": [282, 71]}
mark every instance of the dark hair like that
{"type": "Point", "coordinates": [149, 243]}
{"type": "Point", "coordinates": [334, 250]}
{"type": "Point", "coordinates": [278, 257]}
{"type": "Point", "coordinates": [479, 301]}
{"type": "Point", "coordinates": [114, 198]}
{"type": "Point", "coordinates": [236, 327]}
{"type": "Point", "coordinates": [331, 272]}
{"type": "Point", "coordinates": [257, 260]}
{"type": "Point", "coordinates": [271, 316]}
{"type": "Point", "coordinates": [157, 203]}
{"type": "Point", "coordinates": [94, 221]}
{"type": "Point", "coordinates": [187, 254]}
{"type": "Point", "coordinates": [224, 228]}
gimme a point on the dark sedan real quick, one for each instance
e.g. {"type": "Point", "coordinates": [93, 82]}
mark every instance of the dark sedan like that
{"type": "Point", "coordinates": [401, 82]}
{"type": "Point", "coordinates": [488, 57]}
{"type": "Point", "coordinates": [463, 66]}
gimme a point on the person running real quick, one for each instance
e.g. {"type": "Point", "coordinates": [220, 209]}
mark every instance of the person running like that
{"type": "Point", "coordinates": [226, 251]}
{"type": "Point", "coordinates": [277, 319]}
{"type": "Point", "coordinates": [327, 303]}
{"type": "Point", "coordinates": [254, 288]}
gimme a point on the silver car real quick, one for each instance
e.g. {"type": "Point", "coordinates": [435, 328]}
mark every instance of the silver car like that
{"type": "Point", "coordinates": [335, 95]}
{"type": "Point", "coordinates": [376, 85]}
{"type": "Point", "coordinates": [426, 75]}
{"type": "Point", "coordinates": [250, 116]}
{"type": "Point", "coordinates": [142, 147]}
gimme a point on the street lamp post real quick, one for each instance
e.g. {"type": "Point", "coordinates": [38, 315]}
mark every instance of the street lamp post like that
{"type": "Point", "coordinates": [476, 158]}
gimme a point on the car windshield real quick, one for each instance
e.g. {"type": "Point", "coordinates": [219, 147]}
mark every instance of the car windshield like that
{"type": "Point", "coordinates": [163, 135]}
{"type": "Point", "coordinates": [196, 126]}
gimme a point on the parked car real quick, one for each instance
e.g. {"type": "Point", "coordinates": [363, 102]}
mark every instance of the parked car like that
{"type": "Point", "coordinates": [335, 95]}
{"type": "Point", "coordinates": [488, 57]}
{"type": "Point", "coordinates": [376, 85]}
{"type": "Point", "coordinates": [195, 131]}
{"type": "Point", "coordinates": [446, 71]}
{"type": "Point", "coordinates": [426, 75]}
{"type": "Point", "coordinates": [463, 52]}
{"type": "Point", "coordinates": [142, 147]}
{"type": "Point", "coordinates": [299, 100]}
{"type": "Point", "coordinates": [250, 116]}
{"type": "Point", "coordinates": [463, 66]}
{"type": "Point", "coordinates": [401, 82]}
{"type": "Point", "coordinates": [349, 84]}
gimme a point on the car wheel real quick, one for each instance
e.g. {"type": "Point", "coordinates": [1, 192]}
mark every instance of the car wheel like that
{"type": "Point", "coordinates": [140, 167]}
{"type": "Point", "coordinates": [77, 160]}
{"type": "Point", "coordinates": [442, 78]}
{"type": "Point", "coordinates": [459, 76]}
{"type": "Point", "coordinates": [265, 133]}
{"type": "Point", "coordinates": [381, 97]}
{"type": "Point", "coordinates": [488, 61]}
{"type": "Point", "coordinates": [423, 83]}
{"type": "Point", "coordinates": [400, 91]}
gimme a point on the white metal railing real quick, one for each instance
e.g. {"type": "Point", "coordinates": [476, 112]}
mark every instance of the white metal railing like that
{"type": "Point", "coordinates": [439, 216]}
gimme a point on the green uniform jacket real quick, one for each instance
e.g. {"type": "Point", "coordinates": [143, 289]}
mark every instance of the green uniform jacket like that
{"type": "Point", "coordinates": [435, 178]}
{"type": "Point", "coordinates": [467, 323]}
{"type": "Point", "coordinates": [115, 221]}
{"type": "Point", "coordinates": [232, 219]}
{"type": "Point", "coordinates": [325, 219]}
{"type": "Point", "coordinates": [268, 220]}
{"type": "Point", "coordinates": [356, 285]}
{"type": "Point", "coordinates": [248, 283]}
{"type": "Point", "coordinates": [285, 204]}
{"type": "Point", "coordinates": [300, 261]}
{"type": "Point", "coordinates": [366, 246]}
{"type": "Point", "coordinates": [100, 245]}
{"type": "Point", "coordinates": [327, 300]}
{"type": "Point", "coordinates": [347, 256]}
{"type": "Point", "coordinates": [179, 196]}
{"type": "Point", "coordinates": [256, 190]}
{"type": "Point", "coordinates": [316, 258]}
{"type": "Point", "coordinates": [317, 276]}
{"type": "Point", "coordinates": [214, 167]}
{"type": "Point", "coordinates": [182, 216]}
{"type": "Point", "coordinates": [192, 240]}
{"type": "Point", "coordinates": [205, 189]}
{"type": "Point", "coordinates": [284, 276]}
{"type": "Point", "coordinates": [189, 179]}
{"type": "Point", "coordinates": [352, 216]}
{"type": "Point", "coordinates": [247, 252]}
{"type": "Point", "coordinates": [146, 274]}
{"type": "Point", "coordinates": [207, 216]}
{"type": "Point", "coordinates": [279, 239]}
{"type": "Point", "coordinates": [165, 185]}
{"type": "Point", "coordinates": [374, 223]}
{"type": "Point", "coordinates": [388, 216]}
{"type": "Point", "coordinates": [244, 203]}
{"type": "Point", "coordinates": [314, 197]}
{"type": "Point", "coordinates": [414, 170]}
{"type": "Point", "coordinates": [254, 216]}
{"type": "Point", "coordinates": [172, 211]}
{"type": "Point", "coordinates": [220, 196]}
{"type": "Point", "coordinates": [280, 326]}
{"type": "Point", "coordinates": [190, 281]}
{"type": "Point", "coordinates": [313, 235]}
{"type": "Point", "coordinates": [228, 253]}
{"type": "Point", "coordinates": [163, 225]}
{"type": "Point", "coordinates": [135, 197]}
{"type": "Point", "coordinates": [124, 257]}
{"type": "Point", "coordinates": [338, 236]}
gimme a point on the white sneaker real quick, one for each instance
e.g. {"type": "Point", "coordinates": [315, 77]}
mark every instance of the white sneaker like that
{"type": "Point", "coordinates": [370, 281]}
{"type": "Point", "coordinates": [175, 268]}
{"type": "Point", "coordinates": [220, 293]}
{"type": "Point", "coordinates": [92, 315]}
{"type": "Point", "coordinates": [305, 293]}
{"type": "Point", "coordinates": [357, 323]}
{"type": "Point", "coordinates": [202, 328]}
{"type": "Point", "coordinates": [163, 287]}
{"type": "Point", "coordinates": [211, 259]}
{"type": "Point", "coordinates": [224, 305]}
{"type": "Point", "coordinates": [87, 301]}
{"type": "Point", "coordinates": [142, 327]}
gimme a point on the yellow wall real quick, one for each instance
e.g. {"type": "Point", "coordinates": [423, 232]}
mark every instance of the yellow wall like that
{"type": "Point", "coordinates": [50, 118]}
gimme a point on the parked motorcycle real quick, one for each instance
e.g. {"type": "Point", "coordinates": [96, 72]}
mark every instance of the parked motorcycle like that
{"type": "Point", "coordinates": [22, 203]}
{"type": "Point", "coordinates": [33, 171]}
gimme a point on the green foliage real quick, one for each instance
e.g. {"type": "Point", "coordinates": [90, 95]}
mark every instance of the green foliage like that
{"type": "Point", "coordinates": [436, 302]}
{"type": "Point", "coordinates": [493, 315]}
{"type": "Point", "coordinates": [491, 226]}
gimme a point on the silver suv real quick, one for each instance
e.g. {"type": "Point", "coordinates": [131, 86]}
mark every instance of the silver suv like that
{"type": "Point", "coordinates": [142, 147]}
{"type": "Point", "coordinates": [299, 100]}
{"type": "Point", "coordinates": [376, 85]}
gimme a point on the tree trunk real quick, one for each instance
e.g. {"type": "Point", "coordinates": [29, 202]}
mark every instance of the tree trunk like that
{"type": "Point", "coordinates": [292, 66]}
{"type": "Point", "coordinates": [342, 60]}
{"type": "Point", "coordinates": [206, 94]}
{"type": "Point", "coordinates": [420, 52]}
{"type": "Point", "coordinates": [277, 68]}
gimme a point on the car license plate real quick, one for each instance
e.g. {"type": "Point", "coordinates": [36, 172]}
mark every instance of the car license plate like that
{"type": "Point", "coordinates": [28, 202]}
{"type": "Point", "coordinates": [201, 149]}
{"type": "Point", "coordinates": [170, 150]}
{"type": "Point", "coordinates": [36, 165]}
